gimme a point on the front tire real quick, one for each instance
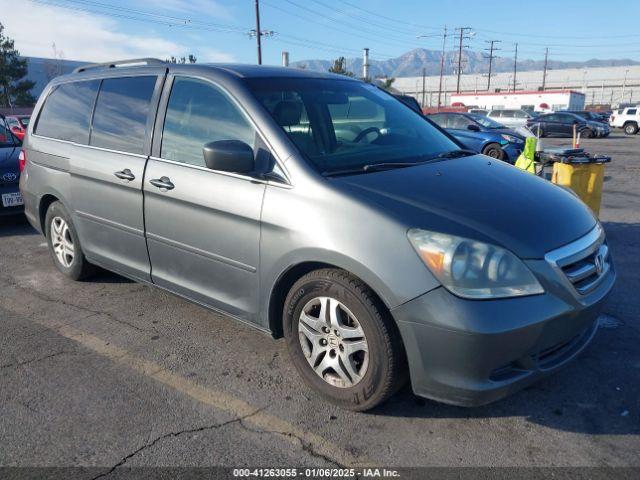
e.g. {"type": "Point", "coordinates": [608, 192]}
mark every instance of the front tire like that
{"type": "Point", "coordinates": [493, 150]}
{"type": "Point", "coordinates": [587, 133]}
{"type": "Point", "coordinates": [64, 244]}
{"type": "Point", "coordinates": [342, 340]}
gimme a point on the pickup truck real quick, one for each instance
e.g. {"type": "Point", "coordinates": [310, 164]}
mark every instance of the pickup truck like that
{"type": "Point", "coordinates": [628, 119]}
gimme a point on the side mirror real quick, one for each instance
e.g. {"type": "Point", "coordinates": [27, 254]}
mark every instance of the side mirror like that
{"type": "Point", "coordinates": [229, 156]}
{"type": "Point", "coordinates": [473, 128]}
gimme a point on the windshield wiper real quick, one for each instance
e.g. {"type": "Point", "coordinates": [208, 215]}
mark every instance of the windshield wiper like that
{"type": "Point", "coordinates": [370, 167]}
{"type": "Point", "coordinates": [455, 154]}
{"type": "Point", "coordinates": [378, 167]}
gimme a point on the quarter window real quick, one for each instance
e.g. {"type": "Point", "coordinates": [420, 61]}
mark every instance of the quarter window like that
{"type": "Point", "coordinates": [199, 113]}
{"type": "Point", "coordinates": [122, 110]}
{"type": "Point", "coordinates": [66, 113]}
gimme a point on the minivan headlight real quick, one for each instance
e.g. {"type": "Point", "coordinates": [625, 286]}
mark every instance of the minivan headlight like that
{"type": "Point", "coordinates": [473, 269]}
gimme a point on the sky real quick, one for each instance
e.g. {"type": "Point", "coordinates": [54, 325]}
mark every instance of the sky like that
{"type": "Point", "coordinates": [218, 30]}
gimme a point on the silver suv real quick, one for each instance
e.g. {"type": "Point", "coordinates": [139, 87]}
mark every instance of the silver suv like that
{"type": "Point", "coordinates": [318, 208]}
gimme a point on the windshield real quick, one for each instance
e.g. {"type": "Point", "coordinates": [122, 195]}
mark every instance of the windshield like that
{"type": "Point", "coordinates": [486, 121]}
{"type": "Point", "coordinates": [343, 124]}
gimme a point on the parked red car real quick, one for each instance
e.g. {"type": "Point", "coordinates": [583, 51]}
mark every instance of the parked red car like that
{"type": "Point", "coordinates": [18, 124]}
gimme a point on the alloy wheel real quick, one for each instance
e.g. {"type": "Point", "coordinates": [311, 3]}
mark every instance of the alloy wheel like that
{"type": "Point", "coordinates": [333, 342]}
{"type": "Point", "coordinates": [62, 242]}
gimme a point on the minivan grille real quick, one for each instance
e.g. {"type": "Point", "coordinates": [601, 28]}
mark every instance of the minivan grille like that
{"type": "Point", "coordinates": [583, 263]}
{"type": "Point", "coordinates": [585, 273]}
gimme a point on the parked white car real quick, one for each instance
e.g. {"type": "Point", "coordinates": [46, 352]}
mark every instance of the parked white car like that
{"type": "Point", "coordinates": [628, 119]}
{"type": "Point", "coordinates": [510, 117]}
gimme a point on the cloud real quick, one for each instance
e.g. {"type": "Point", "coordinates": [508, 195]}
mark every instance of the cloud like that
{"type": "Point", "coordinates": [87, 36]}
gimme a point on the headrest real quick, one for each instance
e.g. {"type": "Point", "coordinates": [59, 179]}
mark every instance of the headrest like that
{"type": "Point", "coordinates": [288, 113]}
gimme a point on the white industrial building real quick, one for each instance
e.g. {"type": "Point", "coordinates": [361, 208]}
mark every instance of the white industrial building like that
{"type": "Point", "coordinates": [539, 101]}
{"type": "Point", "coordinates": [601, 85]}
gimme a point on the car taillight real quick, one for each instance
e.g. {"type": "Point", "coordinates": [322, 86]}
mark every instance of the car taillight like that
{"type": "Point", "coordinates": [22, 160]}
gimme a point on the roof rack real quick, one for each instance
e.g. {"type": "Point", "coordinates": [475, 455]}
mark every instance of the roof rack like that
{"type": "Point", "coordinates": [120, 63]}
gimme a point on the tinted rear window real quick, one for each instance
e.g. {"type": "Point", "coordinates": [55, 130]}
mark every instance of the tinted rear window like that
{"type": "Point", "coordinates": [66, 114]}
{"type": "Point", "coordinates": [122, 109]}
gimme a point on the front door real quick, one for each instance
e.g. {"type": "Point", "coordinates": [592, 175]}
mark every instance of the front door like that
{"type": "Point", "coordinates": [202, 226]}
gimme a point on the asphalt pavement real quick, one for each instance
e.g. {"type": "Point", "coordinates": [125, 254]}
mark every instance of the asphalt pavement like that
{"type": "Point", "coordinates": [112, 374]}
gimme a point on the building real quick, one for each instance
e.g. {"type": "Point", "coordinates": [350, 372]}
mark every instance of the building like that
{"type": "Point", "coordinates": [539, 101]}
{"type": "Point", "coordinates": [601, 85]}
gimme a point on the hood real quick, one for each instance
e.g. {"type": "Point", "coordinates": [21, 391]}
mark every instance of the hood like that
{"type": "Point", "coordinates": [9, 164]}
{"type": "Point", "coordinates": [473, 197]}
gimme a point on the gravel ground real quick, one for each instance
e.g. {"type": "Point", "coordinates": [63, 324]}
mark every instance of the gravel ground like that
{"type": "Point", "coordinates": [112, 374]}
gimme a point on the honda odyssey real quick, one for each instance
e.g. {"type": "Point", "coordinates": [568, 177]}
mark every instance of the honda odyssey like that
{"type": "Point", "coordinates": [320, 209]}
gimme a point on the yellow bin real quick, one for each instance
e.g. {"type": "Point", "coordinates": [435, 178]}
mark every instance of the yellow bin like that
{"type": "Point", "coordinates": [583, 178]}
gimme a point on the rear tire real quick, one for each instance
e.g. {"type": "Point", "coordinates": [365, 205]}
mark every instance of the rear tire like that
{"type": "Point", "coordinates": [342, 340]}
{"type": "Point", "coordinates": [493, 150]}
{"type": "Point", "coordinates": [631, 129]}
{"type": "Point", "coordinates": [64, 244]}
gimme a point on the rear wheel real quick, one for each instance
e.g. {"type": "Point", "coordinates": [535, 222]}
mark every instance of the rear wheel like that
{"type": "Point", "coordinates": [493, 150]}
{"type": "Point", "coordinates": [64, 244]}
{"type": "Point", "coordinates": [631, 128]}
{"type": "Point", "coordinates": [342, 341]}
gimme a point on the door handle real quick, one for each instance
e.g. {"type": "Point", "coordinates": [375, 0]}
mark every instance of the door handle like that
{"type": "Point", "coordinates": [163, 183]}
{"type": "Point", "coordinates": [125, 175]}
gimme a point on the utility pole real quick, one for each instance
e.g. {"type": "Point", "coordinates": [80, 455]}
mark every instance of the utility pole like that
{"type": "Point", "coordinates": [444, 46]}
{"type": "Point", "coordinates": [491, 49]}
{"type": "Point", "coordinates": [462, 37]}
{"type": "Point", "coordinates": [515, 68]}
{"type": "Point", "coordinates": [544, 73]}
{"type": "Point", "coordinates": [424, 74]}
{"type": "Point", "coordinates": [624, 84]}
{"type": "Point", "coordinates": [258, 32]}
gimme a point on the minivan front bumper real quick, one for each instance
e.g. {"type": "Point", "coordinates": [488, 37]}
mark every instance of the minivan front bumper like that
{"type": "Point", "coordinates": [473, 352]}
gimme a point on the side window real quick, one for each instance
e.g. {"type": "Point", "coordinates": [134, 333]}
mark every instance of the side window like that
{"type": "Point", "coordinates": [632, 111]}
{"type": "Point", "coordinates": [199, 113]}
{"type": "Point", "coordinates": [122, 109]}
{"type": "Point", "coordinates": [439, 119]}
{"type": "Point", "coordinates": [508, 114]}
{"type": "Point", "coordinates": [519, 114]}
{"type": "Point", "coordinates": [459, 122]}
{"type": "Point", "coordinates": [551, 118]}
{"type": "Point", "coordinates": [66, 113]}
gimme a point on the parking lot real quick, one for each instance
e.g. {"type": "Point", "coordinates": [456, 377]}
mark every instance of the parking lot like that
{"type": "Point", "coordinates": [111, 374]}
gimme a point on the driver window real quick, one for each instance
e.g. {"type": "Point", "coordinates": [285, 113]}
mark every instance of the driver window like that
{"type": "Point", "coordinates": [199, 113]}
{"type": "Point", "coordinates": [459, 122]}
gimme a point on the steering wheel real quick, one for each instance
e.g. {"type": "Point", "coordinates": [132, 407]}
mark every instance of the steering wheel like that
{"type": "Point", "coordinates": [366, 132]}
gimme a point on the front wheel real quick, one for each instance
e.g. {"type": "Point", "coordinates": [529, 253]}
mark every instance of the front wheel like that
{"type": "Point", "coordinates": [493, 150]}
{"type": "Point", "coordinates": [587, 133]}
{"type": "Point", "coordinates": [342, 341]}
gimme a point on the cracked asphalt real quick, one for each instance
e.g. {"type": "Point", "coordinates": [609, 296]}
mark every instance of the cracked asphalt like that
{"type": "Point", "coordinates": [110, 374]}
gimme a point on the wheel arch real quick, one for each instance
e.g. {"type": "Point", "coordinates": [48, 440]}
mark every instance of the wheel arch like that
{"type": "Point", "coordinates": [291, 275]}
{"type": "Point", "coordinates": [45, 202]}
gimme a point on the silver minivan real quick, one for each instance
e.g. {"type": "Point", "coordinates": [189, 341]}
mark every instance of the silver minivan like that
{"type": "Point", "coordinates": [320, 209]}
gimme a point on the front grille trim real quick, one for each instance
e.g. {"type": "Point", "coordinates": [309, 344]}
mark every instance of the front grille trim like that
{"type": "Point", "coordinates": [575, 263]}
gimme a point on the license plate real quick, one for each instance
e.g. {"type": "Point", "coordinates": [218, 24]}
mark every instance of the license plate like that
{"type": "Point", "coordinates": [12, 199]}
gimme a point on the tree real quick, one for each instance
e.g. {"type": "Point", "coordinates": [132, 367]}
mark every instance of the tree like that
{"type": "Point", "coordinates": [15, 90]}
{"type": "Point", "coordinates": [387, 83]}
{"type": "Point", "coordinates": [340, 67]}
{"type": "Point", "coordinates": [182, 60]}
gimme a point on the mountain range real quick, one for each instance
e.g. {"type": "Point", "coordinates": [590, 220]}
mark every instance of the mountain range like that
{"type": "Point", "coordinates": [410, 64]}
